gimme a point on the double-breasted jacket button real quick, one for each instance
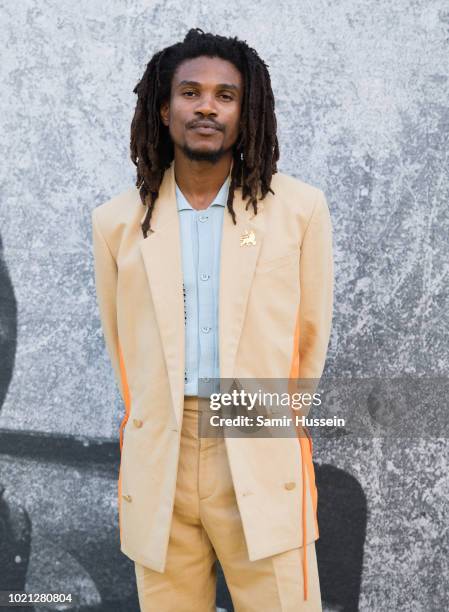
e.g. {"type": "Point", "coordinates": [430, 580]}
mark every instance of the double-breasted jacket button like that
{"type": "Point", "coordinates": [128, 498]}
{"type": "Point", "coordinates": [137, 422]}
{"type": "Point", "coordinates": [289, 485]}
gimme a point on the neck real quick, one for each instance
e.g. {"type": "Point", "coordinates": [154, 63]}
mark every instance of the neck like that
{"type": "Point", "coordinates": [200, 181]}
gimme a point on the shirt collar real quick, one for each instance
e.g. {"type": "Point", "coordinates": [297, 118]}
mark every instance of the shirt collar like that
{"type": "Point", "coordinates": [220, 199]}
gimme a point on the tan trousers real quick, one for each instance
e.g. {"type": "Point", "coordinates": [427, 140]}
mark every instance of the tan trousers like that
{"type": "Point", "coordinates": [206, 524]}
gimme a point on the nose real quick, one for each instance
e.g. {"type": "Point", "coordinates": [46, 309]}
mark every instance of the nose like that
{"type": "Point", "coordinates": [206, 105]}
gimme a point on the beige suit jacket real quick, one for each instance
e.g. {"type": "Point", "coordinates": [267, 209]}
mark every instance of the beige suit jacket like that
{"type": "Point", "coordinates": [275, 311]}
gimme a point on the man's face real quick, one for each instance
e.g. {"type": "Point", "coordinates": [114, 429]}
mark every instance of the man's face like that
{"type": "Point", "coordinates": [203, 113]}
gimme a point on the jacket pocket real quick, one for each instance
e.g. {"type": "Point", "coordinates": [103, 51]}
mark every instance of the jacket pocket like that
{"type": "Point", "coordinates": [277, 262]}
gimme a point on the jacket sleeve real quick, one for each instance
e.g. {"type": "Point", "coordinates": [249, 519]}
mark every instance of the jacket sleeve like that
{"type": "Point", "coordinates": [316, 295]}
{"type": "Point", "coordinates": [106, 288]}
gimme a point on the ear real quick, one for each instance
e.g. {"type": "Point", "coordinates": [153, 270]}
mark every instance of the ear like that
{"type": "Point", "coordinates": [165, 113]}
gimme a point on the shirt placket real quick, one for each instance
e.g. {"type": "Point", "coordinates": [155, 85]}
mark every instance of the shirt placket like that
{"type": "Point", "coordinates": [205, 296]}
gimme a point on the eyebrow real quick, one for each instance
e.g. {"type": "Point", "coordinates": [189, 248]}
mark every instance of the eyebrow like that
{"type": "Point", "coordinates": [220, 85]}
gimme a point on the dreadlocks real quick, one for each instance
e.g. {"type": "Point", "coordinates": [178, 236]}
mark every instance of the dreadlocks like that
{"type": "Point", "coordinates": [254, 154]}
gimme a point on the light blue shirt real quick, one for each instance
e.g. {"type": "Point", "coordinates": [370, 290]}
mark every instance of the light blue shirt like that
{"type": "Point", "coordinates": [200, 245]}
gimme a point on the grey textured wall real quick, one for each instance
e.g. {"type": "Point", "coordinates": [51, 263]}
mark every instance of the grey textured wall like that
{"type": "Point", "coordinates": [362, 104]}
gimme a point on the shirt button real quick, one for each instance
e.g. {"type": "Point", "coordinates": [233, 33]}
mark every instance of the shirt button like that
{"type": "Point", "coordinates": [205, 276]}
{"type": "Point", "coordinates": [205, 330]}
{"type": "Point", "coordinates": [203, 218]}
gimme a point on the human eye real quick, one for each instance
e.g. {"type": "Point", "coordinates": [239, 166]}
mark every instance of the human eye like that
{"type": "Point", "coordinates": [226, 96]}
{"type": "Point", "coordinates": [188, 91]}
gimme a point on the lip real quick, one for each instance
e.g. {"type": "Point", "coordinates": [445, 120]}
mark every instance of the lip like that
{"type": "Point", "coordinates": [204, 129]}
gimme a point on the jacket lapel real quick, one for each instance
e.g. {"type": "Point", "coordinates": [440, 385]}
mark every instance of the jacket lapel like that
{"type": "Point", "coordinates": [162, 257]}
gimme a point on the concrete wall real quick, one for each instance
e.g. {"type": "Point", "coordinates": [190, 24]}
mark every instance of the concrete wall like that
{"type": "Point", "coordinates": [362, 105]}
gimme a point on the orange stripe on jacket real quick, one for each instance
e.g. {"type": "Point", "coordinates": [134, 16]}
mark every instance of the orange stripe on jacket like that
{"type": "Point", "coordinates": [306, 448]}
{"type": "Point", "coordinates": [127, 400]}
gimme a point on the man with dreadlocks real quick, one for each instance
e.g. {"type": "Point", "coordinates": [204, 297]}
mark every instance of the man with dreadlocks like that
{"type": "Point", "coordinates": [214, 266]}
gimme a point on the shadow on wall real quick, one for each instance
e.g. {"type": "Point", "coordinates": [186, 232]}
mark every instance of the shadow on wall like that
{"type": "Point", "coordinates": [15, 525]}
{"type": "Point", "coordinates": [342, 518]}
{"type": "Point", "coordinates": [8, 328]}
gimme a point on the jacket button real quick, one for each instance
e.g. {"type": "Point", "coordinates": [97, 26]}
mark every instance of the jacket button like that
{"type": "Point", "coordinates": [138, 422]}
{"type": "Point", "coordinates": [290, 485]}
{"type": "Point", "coordinates": [128, 498]}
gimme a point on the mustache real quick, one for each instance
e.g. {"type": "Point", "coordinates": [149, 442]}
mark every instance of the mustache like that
{"type": "Point", "coordinates": [203, 123]}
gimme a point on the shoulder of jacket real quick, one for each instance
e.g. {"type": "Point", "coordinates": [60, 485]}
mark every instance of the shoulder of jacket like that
{"type": "Point", "coordinates": [299, 197]}
{"type": "Point", "coordinates": [119, 210]}
{"type": "Point", "coordinates": [291, 186]}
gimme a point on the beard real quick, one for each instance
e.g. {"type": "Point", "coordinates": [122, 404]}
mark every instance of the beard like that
{"type": "Point", "coordinates": [210, 156]}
